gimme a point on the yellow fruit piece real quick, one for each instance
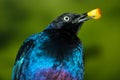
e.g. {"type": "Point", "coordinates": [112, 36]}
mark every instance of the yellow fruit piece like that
{"type": "Point", "coordinates": [95, 13]}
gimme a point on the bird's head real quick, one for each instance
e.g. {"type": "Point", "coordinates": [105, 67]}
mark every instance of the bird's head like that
{"type": "Point", "coordinates": [72, 22]}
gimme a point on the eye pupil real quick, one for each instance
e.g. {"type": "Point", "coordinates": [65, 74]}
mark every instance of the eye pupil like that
{"type": "Point", "coordinates": [66, 18]}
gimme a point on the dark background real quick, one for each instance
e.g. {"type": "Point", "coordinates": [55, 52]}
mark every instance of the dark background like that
{"type": "Point", "coordinates": [101, 38]}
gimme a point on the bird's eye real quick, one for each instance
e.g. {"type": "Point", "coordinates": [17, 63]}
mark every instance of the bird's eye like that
{"type": "Point", "coordinates": [66, 18]}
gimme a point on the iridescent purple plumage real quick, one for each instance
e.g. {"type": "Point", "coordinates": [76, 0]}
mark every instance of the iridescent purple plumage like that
{"type": "Point", "coordinates": [53, 74]}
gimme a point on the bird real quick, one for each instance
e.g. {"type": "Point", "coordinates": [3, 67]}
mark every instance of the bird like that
{"type": "Point", "coordinates": [56, 53]}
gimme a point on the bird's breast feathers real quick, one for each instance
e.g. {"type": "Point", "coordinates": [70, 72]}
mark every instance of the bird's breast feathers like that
{"type": "Point", "coordinates": [48, 60]}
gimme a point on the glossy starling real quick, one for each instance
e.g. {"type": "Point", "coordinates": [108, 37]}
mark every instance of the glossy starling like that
{"type": "Point", "coordinates": [56, 53]}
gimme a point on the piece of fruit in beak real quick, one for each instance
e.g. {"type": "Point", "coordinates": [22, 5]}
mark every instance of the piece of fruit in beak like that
{"type": "Point", "coordinates": [95, 13]}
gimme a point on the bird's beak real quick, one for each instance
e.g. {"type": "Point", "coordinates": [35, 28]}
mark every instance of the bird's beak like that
{"type": "Point", "coordinates": [93, 14]}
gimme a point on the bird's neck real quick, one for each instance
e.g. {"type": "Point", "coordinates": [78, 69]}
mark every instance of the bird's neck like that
{"type": "Point", "coordinates": [62, 35]}
{"type": "Point", "coordinates": [62, 40]}
{"type": "Point", "coordinates": [71, 29]}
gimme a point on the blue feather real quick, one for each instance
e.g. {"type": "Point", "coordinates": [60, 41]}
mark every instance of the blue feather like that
{"type": "Point", "coordinates": [54, 54]}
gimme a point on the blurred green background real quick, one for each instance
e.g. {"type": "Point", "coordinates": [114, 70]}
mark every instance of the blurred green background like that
{"type": "Point", "coordinates": [101, 38]}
